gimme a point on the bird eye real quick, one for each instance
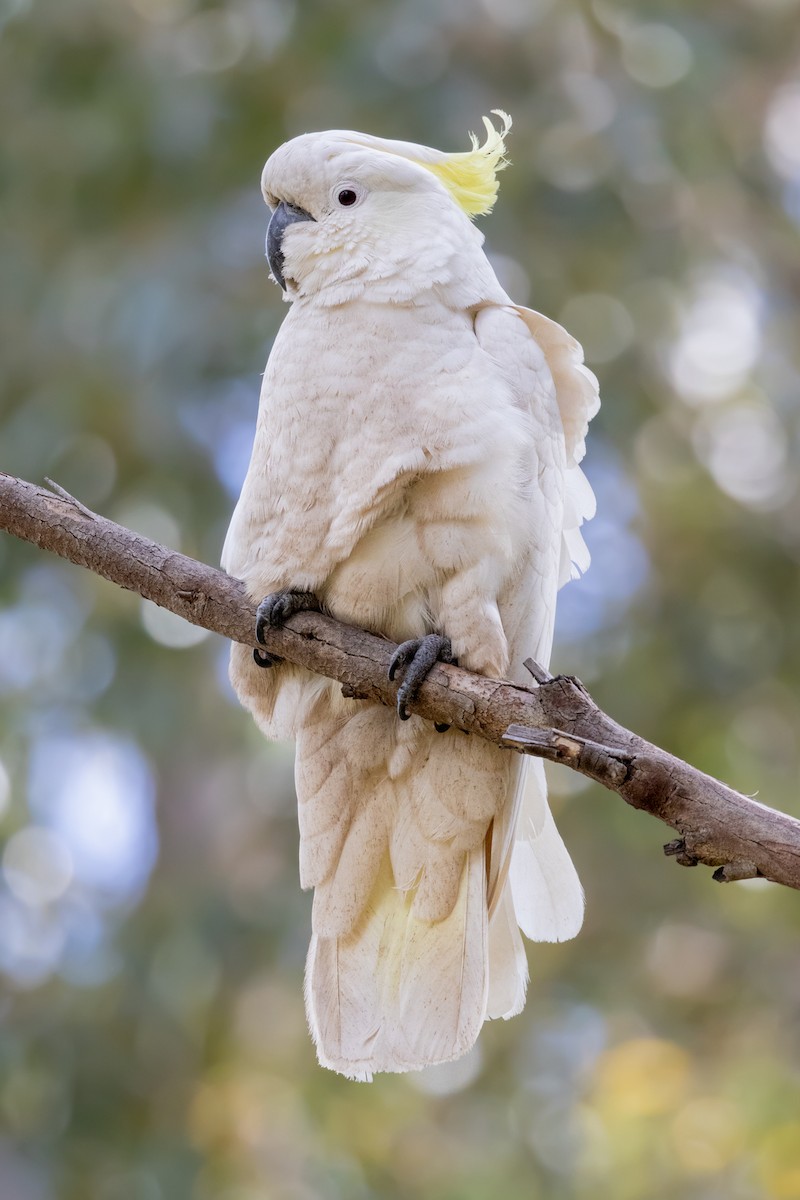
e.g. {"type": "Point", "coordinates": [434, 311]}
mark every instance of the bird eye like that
{"type": "Point", "coordinates": [346, 197]}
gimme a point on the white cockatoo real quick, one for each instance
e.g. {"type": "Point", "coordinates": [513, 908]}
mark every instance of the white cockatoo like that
{"type": "Point", "coordinates": [414, 472]}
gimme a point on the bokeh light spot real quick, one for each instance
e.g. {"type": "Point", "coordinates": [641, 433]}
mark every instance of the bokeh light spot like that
{"type": "Point", "coordinates": [37, 865]}
{"type": "Point", "coordinates": [643, 1077]}
{"type": "Point", "coordinates": [31, 941]}
{"type": "Point", "coordinates": [779, 1161]}
{"type": "Point", "coordinates": [656, 55]}
{"type": "Point", "coordinates": [571, 159]}
{"type": "Point", "coordinates": [96, 792]}
{"type": "Point", "coordinates": [211, 41]}
{"type": "Point", "coordinates": [684, 960]}
{"type": "Point", "coordinates": [782, 131]}
{"type": "Point", "coordinates": [745, 449]}
{"type": "Point", "coordinates": [168, 629]}
{"type": "Point", "coordinates": [707, 1135]}
{"type": "Point", "coordinates": [448, 1078]}
{"type": "Point", "coordinates": [601, 324]}
{"type": "Point", "coordinates": [150, 520]}
{"type": "Point", "coordinates": [719, 339]}
{"type": "Point", "coordinates": [86, 466]}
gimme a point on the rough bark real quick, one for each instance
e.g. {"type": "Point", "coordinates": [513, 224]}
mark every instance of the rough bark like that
{"type": "Point", "coordinates": [557, 719]}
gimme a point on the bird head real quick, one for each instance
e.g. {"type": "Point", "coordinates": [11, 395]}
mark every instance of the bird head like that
{"type": "Point", "coordinates": [351, 212]}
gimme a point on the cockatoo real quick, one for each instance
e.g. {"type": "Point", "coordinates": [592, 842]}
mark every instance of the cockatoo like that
{"type": "Point", "coordinates": [414, 472]}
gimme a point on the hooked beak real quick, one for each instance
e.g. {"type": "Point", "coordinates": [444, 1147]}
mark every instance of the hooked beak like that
{"type": "Point", "coordinates": [283, 216]}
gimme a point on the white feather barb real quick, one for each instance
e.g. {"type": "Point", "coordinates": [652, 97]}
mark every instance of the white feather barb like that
{"type": "Point", "coordinates": [577, 389]}
{"type": "Point", "coordinates": [399, 994]}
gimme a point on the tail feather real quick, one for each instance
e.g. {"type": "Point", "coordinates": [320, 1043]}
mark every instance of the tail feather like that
{"type": "Point", "coordinates": [400, 993]}
{"type": "Point", "coordinates": [508, 964]}
{"type": "Point", "coordinates": [547, 893]}
{"type": "Point", "coordinates": [341, 898]}
{"type": "Point", "coordinates": [405, 962]}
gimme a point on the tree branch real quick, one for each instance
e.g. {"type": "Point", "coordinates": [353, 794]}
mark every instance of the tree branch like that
{"type": "Point", "coordinates": [557, 720]}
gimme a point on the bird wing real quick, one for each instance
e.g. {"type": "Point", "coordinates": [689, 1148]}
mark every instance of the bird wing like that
{"type": "Point", "coordinates": [578, 397]}
{"type": "Point", "coordinates": [532, 881]}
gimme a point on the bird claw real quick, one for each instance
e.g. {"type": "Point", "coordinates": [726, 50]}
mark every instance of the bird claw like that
{"type": "Point", "coordinates": [273, 612]}
{"type": "Point", "coordinates": [417, 656]}
{"type": "Point", "coordinates": [262, 659]}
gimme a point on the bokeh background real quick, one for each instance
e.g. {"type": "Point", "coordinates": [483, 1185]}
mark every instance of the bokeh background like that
{"type": "Point", "coordinates": [152, 930]}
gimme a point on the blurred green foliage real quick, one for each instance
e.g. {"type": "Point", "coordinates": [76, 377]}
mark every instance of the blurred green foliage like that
{"type": "Point", "coordinates": [152, 931]}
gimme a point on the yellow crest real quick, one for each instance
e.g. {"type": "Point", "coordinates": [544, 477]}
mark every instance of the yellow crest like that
{"type": "Point", "coordinates": [471, 176]}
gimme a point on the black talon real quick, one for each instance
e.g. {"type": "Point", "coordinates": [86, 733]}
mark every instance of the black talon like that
{"type": "Point", "coordinates": [262, 659]}
{"type": "Point", "coordinates": [276, 608]}
{"type": "Point", "coordinates": [273, 612]}
{"type": "Point", "coordinates": [402, 656]}
{"type": "Point", "coordinates": [417, 656]}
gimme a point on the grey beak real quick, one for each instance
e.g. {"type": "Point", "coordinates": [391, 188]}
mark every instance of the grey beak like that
{"type": "Point", "coordinates": [283, 216]}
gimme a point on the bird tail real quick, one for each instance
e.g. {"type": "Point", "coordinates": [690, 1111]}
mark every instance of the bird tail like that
{"type": "Point", "coordinates": [392, 821]}
{"type": "Point", "coordinates": [534, 886]}
{"type": "Point", "coordinates": [405, 964]}
{"type": "Point", "coordinates": [399, 993]}
{"type": "Point", "coordinates": [547, 894]}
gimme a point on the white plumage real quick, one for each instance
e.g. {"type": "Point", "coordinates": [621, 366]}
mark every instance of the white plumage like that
{"type": "Point", "coordinates": [416, 466]}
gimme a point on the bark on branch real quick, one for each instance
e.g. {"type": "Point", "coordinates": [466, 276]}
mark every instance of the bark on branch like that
{"type": "Point", "coordinates": [557, 720]}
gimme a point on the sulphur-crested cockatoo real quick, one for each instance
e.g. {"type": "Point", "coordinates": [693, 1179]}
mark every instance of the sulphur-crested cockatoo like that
{"type": "Point", "coordinates": [415, 469]}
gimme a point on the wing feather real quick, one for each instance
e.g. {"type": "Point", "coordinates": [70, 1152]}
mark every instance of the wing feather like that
{"type": "Point", "coordinates": [530, 871]}
{"type": "Point", "coordinates": [398, 992]}
{"type": "Point", "coordinates": [577, 389]}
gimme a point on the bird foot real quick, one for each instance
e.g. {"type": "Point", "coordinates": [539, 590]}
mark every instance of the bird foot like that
{"type": "Point", "coordinates": [273, 612]}
{"type": "Point", "coordinates": [416, 657]}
